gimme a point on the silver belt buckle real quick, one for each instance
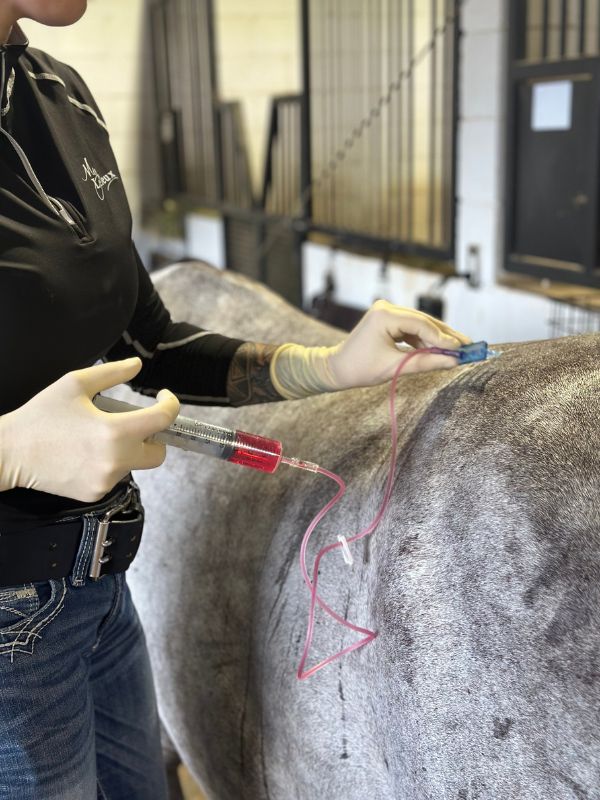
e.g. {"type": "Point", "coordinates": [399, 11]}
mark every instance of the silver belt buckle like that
{"type": "Point", "coordinates": [101, 542]}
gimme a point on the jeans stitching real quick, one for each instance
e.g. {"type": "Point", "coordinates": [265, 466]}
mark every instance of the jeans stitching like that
{"type": "Point", "coordinates": [89, 533]}
{"type": "Point", "coordinates": [33, 633]}
{"type": "Point", "coordinates": [11, 648]}
{"type": "Point", "coordinates": [17, 627]}
{"type": "Point", "coordinates": [14, 611]}
{"type": "Point", "coordinates": [12, 593]}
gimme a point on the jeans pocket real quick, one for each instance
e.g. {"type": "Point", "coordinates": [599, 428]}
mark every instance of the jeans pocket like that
{"type": "Point", "coordinates": [25, 610]}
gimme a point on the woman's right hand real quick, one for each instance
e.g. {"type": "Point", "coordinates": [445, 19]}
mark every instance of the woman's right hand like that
{"type": "Point", "coordinates": [59, 442]}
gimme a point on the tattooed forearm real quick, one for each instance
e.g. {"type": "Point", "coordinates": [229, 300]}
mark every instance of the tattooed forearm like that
{"type": "Point", "coordinates": [248, 379]}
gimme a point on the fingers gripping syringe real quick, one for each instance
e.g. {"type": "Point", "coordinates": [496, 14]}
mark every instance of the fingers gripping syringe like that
{"type": "Point", "coordinates": [238, 447]}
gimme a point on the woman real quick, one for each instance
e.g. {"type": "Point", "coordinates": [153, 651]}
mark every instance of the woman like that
{"type": "Point", "coordinates": [77, 710]}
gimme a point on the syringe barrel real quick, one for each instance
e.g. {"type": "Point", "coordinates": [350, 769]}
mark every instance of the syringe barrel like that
{"type": "Point", "coordinates": [200, 437]}
{"type": "Point", "coordinates": [247, 449]}
{"type": "Point", "coordinates": [239, 447]}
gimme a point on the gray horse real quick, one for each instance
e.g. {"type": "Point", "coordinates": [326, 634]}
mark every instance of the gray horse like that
{"type": "Point", "coordinates": [482, 579]}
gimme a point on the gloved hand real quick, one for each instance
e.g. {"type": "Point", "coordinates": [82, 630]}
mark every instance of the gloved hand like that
{"type": "Point", "coordinates": [368, 356]}
{"type": "Point", "coordinates": [59, 442]}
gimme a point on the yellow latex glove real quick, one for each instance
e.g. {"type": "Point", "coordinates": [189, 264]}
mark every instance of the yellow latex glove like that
{"type": "Point", "coordinates": [59, 442]}
{"type": "Point", "coordinates": [368, 356]}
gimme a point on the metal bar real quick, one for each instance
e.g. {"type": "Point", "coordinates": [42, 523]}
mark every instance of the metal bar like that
{"type": "Point", "coordinates": [319, 107]}
{"type": "Point", "coordinates": [162, 98]}
{"type": "Point", "coordinates": [268, 175]}
{"type": "Point", "coordinates": [291, 164]}
{"type": "Point", "coordinates": [432, 107]}
{"type": "Point", "coordinates": [231, 155]}
{"type": "Point", "coordinates": [203, 93]}
{"type": "Point", "coordinates": [510, 143]}
{"type": "Point", "coordinates": [305, 157]}
{"type": "Point", "coordinates": [283, 157]}
{"type": "Point", "coordinates": [518, 12]}
{"type": "Point", "coordinates": [582, 10]}
{"type": "Point", "coordinates": [563, 28]}
{"type": "Point", "coordinates": [182, 77]}
{"type": "Point", "coordinates": [212, 99]}
{"type": "Point", "coordinates": [176, 89]}
{"type": "Point", "coordinates": [376, 131]}
{"type": "Point", "coordinates": [339, 206]}
{"type": "Point", "coordinates": [160, 65]}
{"type": "Point", "coordinates": [369, 134]}
{"type": "Point", "coordinates": [298, 152]}
{"type": "Point", "coordinates": [281, 177]}
{"type": "Point", "coordinates": [240, 184]}
{"type": "Point", "coordinates": [366, 137]}
{"type": "Point", "coordinates": [197, 121]}
{"type": "Point", "coordinates": [281, 161]}
{"type": "Point", "coordinates": [336, 56]}
{"type": "Point", "coordinates": [389, 119]}
{"type": "Point", "coordinates": [326, 116]}
{"type": "Point", "coordinates": [276, 167]}
{"type": "Point", "coordinates": [329, 104]}
{"type": "Point", "coordinates": [453, 44]}
{"type": "Point", "coordinates": [401, 95]}
{"type": "Point", "coordinates": [355, 75]}
{"type": "Point", "coordinates": [324, 188]}
{"type": "Point", "coordinates": [293, 159]}
{"type": "Point", "coordinates": [411, 118]}
{"type": "Point", "coordinates": [382, 247]}
{"type": "Point", "coordinates": [287, 160]}
{"type": "Point", "coordinates": [440, 188]}
{"type": "Point", "coordinates": [226, 128]}
{"type": "Point", "coordinates": [376, 128]}
{"type": "Point", "coordinates": [200, 159]}
{"type": "Point", "coordinates": [545, 20]}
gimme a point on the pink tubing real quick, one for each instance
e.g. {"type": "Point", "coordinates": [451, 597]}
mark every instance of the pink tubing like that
{"type": "Point", "coordinates": [368, 635]}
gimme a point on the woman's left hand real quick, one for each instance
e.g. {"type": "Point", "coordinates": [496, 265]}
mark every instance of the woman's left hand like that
{"type": "Point", "coordinates": [370, 354]}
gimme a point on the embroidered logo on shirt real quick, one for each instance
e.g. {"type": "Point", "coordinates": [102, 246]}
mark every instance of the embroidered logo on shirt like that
{"type": "Point", "coordinates": [101, 182]}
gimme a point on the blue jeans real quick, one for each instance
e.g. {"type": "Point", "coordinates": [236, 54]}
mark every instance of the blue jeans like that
{"type": "Point", "coordinates": [78, 718]}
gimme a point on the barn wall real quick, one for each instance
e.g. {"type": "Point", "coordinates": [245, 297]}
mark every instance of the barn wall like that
{"type": "Point", "coordinates": [109, 47]}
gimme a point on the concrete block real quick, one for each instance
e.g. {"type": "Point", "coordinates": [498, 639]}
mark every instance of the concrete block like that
{"type": "Point", "coordinates": [478, 161]}
{"type": "Point", "coordinates": [484, 15]}
{"type": "Point", "coordinates": [482, 69]}
{"type": "Point", "coordinates": [481, 227]}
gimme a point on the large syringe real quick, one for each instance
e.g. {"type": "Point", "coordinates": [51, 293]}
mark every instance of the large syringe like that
{"type": "Point", "coordinates": [250, 449]}
{"type": "Point", "coordinates": [238, 447]}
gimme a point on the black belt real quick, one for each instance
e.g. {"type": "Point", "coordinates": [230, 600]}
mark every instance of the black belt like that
{"type": "Point", "coordinates": [50, 551]}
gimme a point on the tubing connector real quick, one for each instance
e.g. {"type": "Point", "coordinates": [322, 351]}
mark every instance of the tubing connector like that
{"type": "Point", "coordinates": [309, 466]}
{"type": "Point", "coordinates": [345, 550]}
{"type": "Point", "coordinates": [468, 353]}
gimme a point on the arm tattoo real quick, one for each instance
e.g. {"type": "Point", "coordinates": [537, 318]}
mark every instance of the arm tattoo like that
{"type": "Point", "coordinates": [248, 379]}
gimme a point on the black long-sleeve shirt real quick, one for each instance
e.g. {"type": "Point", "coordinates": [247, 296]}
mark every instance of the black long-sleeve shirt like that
{"type": "Point", "coordinates": [72, 287]}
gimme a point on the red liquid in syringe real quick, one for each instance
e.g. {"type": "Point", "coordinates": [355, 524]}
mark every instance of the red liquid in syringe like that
{"type": "Point", "coordinates": [256, 451]}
